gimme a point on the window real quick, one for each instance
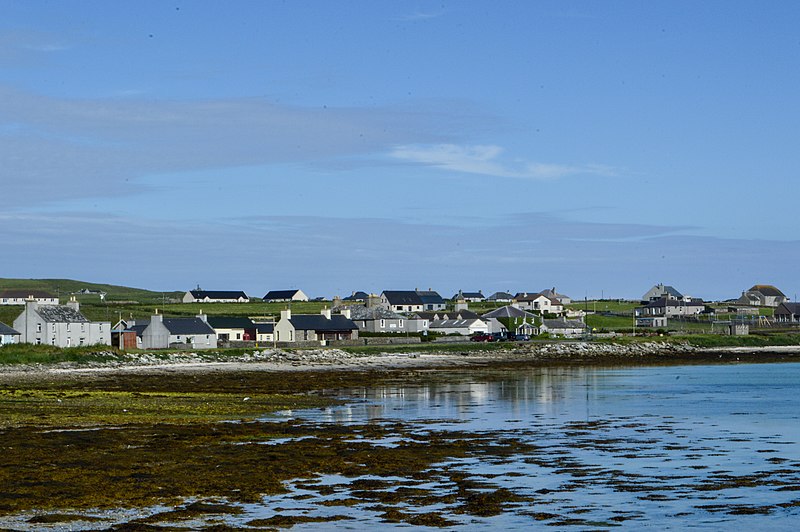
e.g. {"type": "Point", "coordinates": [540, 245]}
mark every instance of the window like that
{"type": "Point", "coordinates": [68, 326]}
{"type": "Point", "coordinates": [401, 323]}
{"type": "Point", "coordinates": [383, 324]}
{"type": "Point", "coordinates": [38, 327]}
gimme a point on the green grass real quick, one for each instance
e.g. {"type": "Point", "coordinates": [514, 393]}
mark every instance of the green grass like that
{"type": "Point", "coordinates": [48, 354]}
{"type": "Point", "coordinates": [63, 288]}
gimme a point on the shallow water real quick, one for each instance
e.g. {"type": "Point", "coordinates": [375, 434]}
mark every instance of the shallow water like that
{"type": "Point", "coordinates": [664, 447]}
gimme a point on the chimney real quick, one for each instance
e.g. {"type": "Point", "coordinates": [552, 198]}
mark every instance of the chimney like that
{"type": "Point", "coordinates": [461, 305]}
{"type": "Point", "coordinates": [286, 314]}
{"type": "Point", "coordinates": [326, 312]}
{"type": "Point", "coordinates": [373, 301]}
{"type": "Point", "coordinates": [203, 317]}
{"type": "Point", "coordinates": [346, 313]}
{"type": "Point", "coordinates": [73, 303]}
{"type": "Point", "coordinates": [157, 317]}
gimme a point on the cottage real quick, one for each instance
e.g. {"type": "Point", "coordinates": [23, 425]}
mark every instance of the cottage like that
{"type": "Point", "coordinates": [500, 297]}
{"type": "Point", "coordinates": [466, 327]}
{"type": "Point", "coordinates": [265, 332]}
{"type": "Point", "coordinates": [233, 329]}
{"type": "Point", "coordinates": [162, 333]}
{"type": "Point", "coordinates": [284, 296]}
{"type": "Point", "coordinates": [19, 297]}
{"type": "Point", "coordinates": [215, 296]}
{"type": "Point", "coordinates": [562, 327]}
{"type": "Point", "coordinates": [60, 325]}
{"type": "Point", "coordinates": [8, 335]}
{"type": "Point", "coordinates": [314, 327]}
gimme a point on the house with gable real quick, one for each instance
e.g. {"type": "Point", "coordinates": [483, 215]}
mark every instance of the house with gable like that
{"type": "Point", "coordinates": [215, 296]}
{"type": "Point", "coordinates": [284, 296]}
{"type": "Point", "coordinates": [787, 313]}
{"type": "Point", "coordinates": [60, 325]}
{"type": "Point", "coordinates": [539, 303]}
{"type": "Point", "coordinates": [762, 295]}
{"type": "Point", "coordinates": [161, 333]}
{"type": "Point", "coordinates": [402, 301]}
{"type": "Point", "coordinates": [8, 335]}
{"type": "Point", "coordinates": [315, 327]}
{"type": "Point", "coordinates": [667, 308]}
{"type": "Point", "coordinates": [662, 291]}
{"type": "Point", "coordinates": [552, 294]}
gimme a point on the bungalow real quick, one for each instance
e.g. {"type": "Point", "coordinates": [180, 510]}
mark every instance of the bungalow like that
{"type": "Point", "coordinates": [19, 297]}
{"type": "Point", "coordinates": [788, 313]}
{"type": "Point", "coordinates": [562, 327]}
{"type": "Point", "coordinates": [8, 335]}
{"type": "Point", "coordinates": [762, 295]}
{"type": "Point", "coordinates": [161, 332]}
{"type": "Point", "coordinates": [284, 296]}
{"type": "Point", "coordinates": [670, 308]}
{"type": "Point", "coordinates": [215, 296]}
{"type": "Point", "coordinates": [60, 325]}
{"type": "Point", "coordinates": [472, 297]}
{"type": "Point", "coordinates": [431, 300]}
{"type": "Point", "coordinates": [402, 301]}
{"type": "Point", "coordinates": [233, 329]}
{"type": "Point", "coordinates": [374, 319]}
{"type": "Point", "coordinates": [314, 327]}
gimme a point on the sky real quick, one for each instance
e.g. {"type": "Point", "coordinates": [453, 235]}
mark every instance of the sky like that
{"type": "Point", "coordinates": [595, 147]}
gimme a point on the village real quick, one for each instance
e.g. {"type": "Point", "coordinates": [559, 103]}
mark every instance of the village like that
{"type": "Point", "coordinates": [391, 317]}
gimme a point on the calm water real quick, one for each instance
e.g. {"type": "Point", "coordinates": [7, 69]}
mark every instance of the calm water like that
{"type": "Point", "coordinates": [708, 447]}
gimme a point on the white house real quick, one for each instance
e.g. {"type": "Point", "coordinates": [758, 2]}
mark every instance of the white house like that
{"type": "Point", "coordinates": [315, 327]}
{"type": "Point", "coordinates": [60, 325]}
{"type": "Point", "coordinates": [19, 297]}
{"type": "Point", "coordinates": [285, 296]}
{"type": "Point", "coordinates": [402, 301]}
{"type": "Point", "coordinates": [8, 335]}
{"type": "Point", "coordinates": [215, 296]}
{"type": "Point", "coordinates": [161, 333]}
{"type": "Point", "coordinates": [541, 303]}
{"type": "Point", "coordinates": [466, 327]}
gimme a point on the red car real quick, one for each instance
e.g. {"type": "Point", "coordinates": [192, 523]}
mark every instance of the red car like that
{"type": "Point", "coordinates": [482, 337]}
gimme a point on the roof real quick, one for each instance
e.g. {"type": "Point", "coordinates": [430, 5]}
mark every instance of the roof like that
{"type": "Point", "coordinates": [563, 324]}
{"type": "Point", "coordinates": [318, 322]}
{"type": "Point", "coordinates": [403, 297]}
{"type": "Point", "coordinates": [225, 322]}
{"type": "Point", "coordinates": [430, 314]}
{"type": "Point", "coordinates": [60, 314]}
{"type": "Point", "coordinates": [767, 290]}
{"type": "Point", "coordinates": [360, 312]}
{"type": "Point", "coordinates": [22, 294]}
{"type": "Point", "coordinates": [452, 324]}
{"type": "Point", "coordinates": [430, 297]}
{"type": "Point", "coordinates": [280, 294]}
{"type": "Point", "coordinates": [509, 312]}
{"type": "Point", "coordinates": [218, 294]}
{"type": "Point", "coordinates": [500, 295]}
{"type": "Point", "coordinates": [265, 327]}
{"type": "Point", "coordinates": [464, 314]}
{"type": "Point", "coordinates": [794, 308]}
{"type": "Point", "coordinates": [664, 302]}
{"type": "Point", "coordinates": [471, 295]}
{"type": "Point", "coordinates": [551, 293]}
{"type": "Point", "coordinates": [187, 326]}
{"type": "Point", "coordinates": [7, 331]}
{"type": "Point", "coordinates": [531, 297]}
{"type": "Point", "coordinates": [357, 296]}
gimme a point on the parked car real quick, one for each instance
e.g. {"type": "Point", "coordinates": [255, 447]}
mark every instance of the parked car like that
{"type": "Point", "coordinates": [522, 337]}
{"type": "Point", "coordinates": [482, 337]}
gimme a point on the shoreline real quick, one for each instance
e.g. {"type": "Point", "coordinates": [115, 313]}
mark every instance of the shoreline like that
{"type": "Point", "coordinates": [315, 360]}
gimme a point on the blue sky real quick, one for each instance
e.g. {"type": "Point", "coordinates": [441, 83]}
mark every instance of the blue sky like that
{"type": "Point", "coordinates": [598, 147]}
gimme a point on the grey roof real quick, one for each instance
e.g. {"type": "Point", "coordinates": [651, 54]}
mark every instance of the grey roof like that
{"type": "Point", "coordinates": [464, 314]}
{"type": "Point", "coordinates": [357, 296]}
{"type": "Point", "coordinates": [767, 290]}
{"type": "Point", "coordinates": [360, 312]}
{"type": "Point", "coordinates": [471, 295]}
{"type": "Point", "coordinates": [500, 295]}
{"type": "Point", "coordinates": [280, 294]}
{"type": "Point", "coordinates": [318, 322]}
{"type": "Point", "coordinates": [403, 297]}
{"type": "Point", "coordinates": [7, 331]}
{"type": "Point", "coordinates": [218, 294]}
{"type": "Point", "coordinates": [509, 312]}
{"type": "Point", "coordinates": [452, 324]}
{"type": "Point", "coordinates": [551, 293]}
{"type": "Point", "coordinates": [430, 314]}
{"type": "Point", "coordinates": [664, 302]}
{"type": "Point", "coordinates": [225, 322]}
{"type": "Point", "coordinates": [187, 326]}
{"type": "Point", "coordinates": [563, 324]}
{"type": "Point", "coordinates": [60, 314]}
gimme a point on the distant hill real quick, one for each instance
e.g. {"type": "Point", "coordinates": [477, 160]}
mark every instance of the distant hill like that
{"type": "Point", "coordinates": [63, 288]}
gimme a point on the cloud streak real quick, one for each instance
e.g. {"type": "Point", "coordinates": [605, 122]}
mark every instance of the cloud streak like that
{"type": "Point", "coordinates": [489, 160]}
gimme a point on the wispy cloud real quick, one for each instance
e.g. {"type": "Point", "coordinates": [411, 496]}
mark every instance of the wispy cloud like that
{"type": "Point", "coordinates": [489, 160]}
{"type": "Point", "coordinates": [420, 15]}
